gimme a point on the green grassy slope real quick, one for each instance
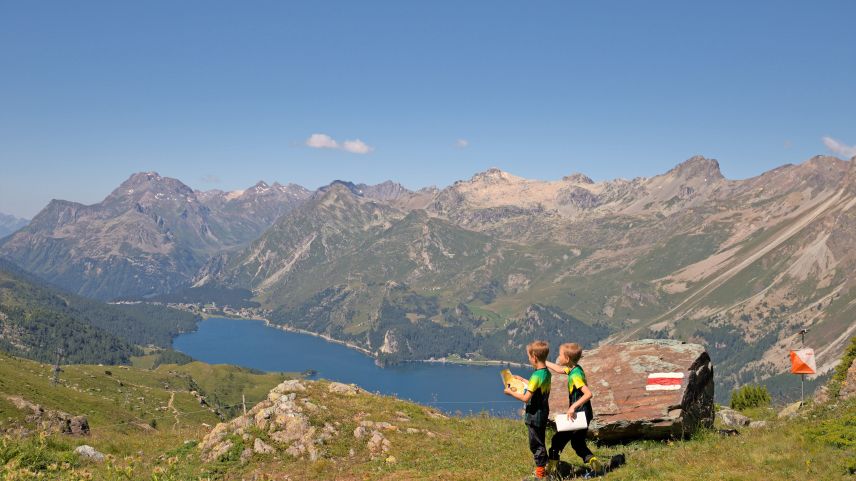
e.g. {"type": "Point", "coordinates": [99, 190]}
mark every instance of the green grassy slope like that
{"type": "Point", "coordinates": [818, 444]}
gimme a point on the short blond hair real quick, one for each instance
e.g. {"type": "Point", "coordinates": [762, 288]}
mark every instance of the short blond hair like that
{"type": "Point", "coordinates": [539, 350]}
{"type": "Point", "coordinates": [569, 352]}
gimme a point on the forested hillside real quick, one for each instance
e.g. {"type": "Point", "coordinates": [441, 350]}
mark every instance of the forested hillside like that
{"type": "Point", "coordinates": [37, 318]}
{"type": "Point", "coordinates": [36, 322]}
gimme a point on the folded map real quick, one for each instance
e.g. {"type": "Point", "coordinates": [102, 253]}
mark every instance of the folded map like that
{"type": "Point", "coordinates": [508, 380]}
{"type": "Point", "coordinates": [565, 424]}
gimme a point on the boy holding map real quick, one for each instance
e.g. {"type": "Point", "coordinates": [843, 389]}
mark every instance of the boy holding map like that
{"type": "Point", "coordinates": [579, 398]}
{"type": "Point", "coordinates": [536, 395]}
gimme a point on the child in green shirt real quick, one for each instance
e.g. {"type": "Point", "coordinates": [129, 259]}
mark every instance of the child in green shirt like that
{"type": "Point", "coordinates": [579, 398]}
{"type": "Point", "coordinates": [537, 396]}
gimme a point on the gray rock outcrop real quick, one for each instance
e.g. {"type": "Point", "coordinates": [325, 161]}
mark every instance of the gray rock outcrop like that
{"type": "Point", "coordinates": [50, 420]}
{"type": "Point", "coordinates": [284, 420]}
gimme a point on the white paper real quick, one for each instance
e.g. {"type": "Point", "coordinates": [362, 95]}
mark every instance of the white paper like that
{"type": "Point", "coordinates": [564, 424]}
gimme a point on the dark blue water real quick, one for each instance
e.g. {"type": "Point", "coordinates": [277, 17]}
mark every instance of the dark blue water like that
{"type": "Point", "coordinates": [449, 387]}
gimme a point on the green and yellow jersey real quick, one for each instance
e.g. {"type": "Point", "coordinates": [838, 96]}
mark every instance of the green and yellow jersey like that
{"type": "Point", "coordinates": [538, 407]}
{"type": "Point", "coordinates": [576, 381]}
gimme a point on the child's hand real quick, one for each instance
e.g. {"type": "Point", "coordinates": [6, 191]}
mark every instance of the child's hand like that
{"type": "Point", "coordinates": [507, 391]}
{"type": "Point", "coordinates": [572, 414]}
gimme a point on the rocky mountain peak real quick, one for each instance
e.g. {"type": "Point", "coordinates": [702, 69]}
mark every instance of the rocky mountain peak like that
{"type": "Point", "coordinates": [56, 213]}
{"type": "Point", "coordinates": [698, 167]}
{"type": "Point", "coordinates": [387, 190]}
{"type": "Point", "coordinates": [493, 175]}
{"type": "Point", "coordinates": [142, 183]}
{"type": "Point", "coordinates": [10, 223]}
{"type": "Point", "coordinates": [578, 178]}
{"type": "Point", "coordinates": [340, 186]}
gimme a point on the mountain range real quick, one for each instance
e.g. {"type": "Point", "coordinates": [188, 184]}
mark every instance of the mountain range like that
{"type": "Point", "coordinates": [149, 236]}
{"type": "Point", "coordinates": [10, 223]}
{"type": "Point", "coordinates": [480, 267]}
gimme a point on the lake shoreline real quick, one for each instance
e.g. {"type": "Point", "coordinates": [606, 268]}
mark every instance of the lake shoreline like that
{"type": "Point", "coordinates": [287, 328]}
{"type": "Point", "coordinates": [452, 387]}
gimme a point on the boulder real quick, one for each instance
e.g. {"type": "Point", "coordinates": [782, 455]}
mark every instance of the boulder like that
{"type": "Point", "coordinates": [790, 410]}
{"type": "Point", "coordinates": [648, 389]}
{"type": "Point", "coordinates": [378, 444]}
{"type": "Point", "coordinates": [340, 388]}
{"type": "Point", "coordinates": [732, 419]}
{"type": "Point", "coordinates": [89, 453]}
{"type": "Point", "coordinates": [292, 385]}
{"type": "Point", "coordinates": [79, 426]}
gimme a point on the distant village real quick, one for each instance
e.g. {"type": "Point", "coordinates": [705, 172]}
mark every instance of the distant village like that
{"type": "Point", "coordinates": [209, 309]}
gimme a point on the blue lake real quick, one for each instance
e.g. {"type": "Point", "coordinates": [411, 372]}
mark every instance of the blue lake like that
{"type": "Point", "coordinates": [449, 387]}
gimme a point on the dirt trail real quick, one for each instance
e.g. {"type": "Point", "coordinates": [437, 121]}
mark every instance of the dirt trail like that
{"type": "Point", "coordinates": [175, 412]}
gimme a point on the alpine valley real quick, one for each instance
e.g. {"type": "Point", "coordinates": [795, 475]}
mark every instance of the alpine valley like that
{"type": "Point", "coordinates": [477, 269]}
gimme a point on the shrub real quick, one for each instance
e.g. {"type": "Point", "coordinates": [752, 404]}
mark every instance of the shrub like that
{"type": "Point", "coordinates": [839, 432]}
{"type": "Point", "coordinates": [750, 396]}
{"type": "Point", "coordinates": [841, 370]}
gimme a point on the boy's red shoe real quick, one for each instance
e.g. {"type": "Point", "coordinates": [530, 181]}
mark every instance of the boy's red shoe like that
{"type": "Point", "coordinates": [541, 472]}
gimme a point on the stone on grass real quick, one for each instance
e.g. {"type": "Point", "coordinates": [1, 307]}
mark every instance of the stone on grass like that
{"type": "Point", "coordinates": [732, 419]}
{"type": "Point", "coordinates": [340, 388]}
{"type": "Point", "coordinates": [378, 444]}
{"type": "Point", "coordinates": [790, 410]}
{"type": "Point", "coordinates": [292, 385]}
{"type": "Point", "coordinates": [89, 453]}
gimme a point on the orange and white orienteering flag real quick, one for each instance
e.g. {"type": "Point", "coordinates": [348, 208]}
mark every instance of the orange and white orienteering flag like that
{"type": "Point", "coordinates": [802, 362]}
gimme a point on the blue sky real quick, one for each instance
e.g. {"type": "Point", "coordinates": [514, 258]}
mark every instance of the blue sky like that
{"type": "Point", "coordinates": [222, 94]}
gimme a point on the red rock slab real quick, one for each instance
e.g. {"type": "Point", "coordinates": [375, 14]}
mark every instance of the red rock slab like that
{"type": "Point", "coordinates": [648, 389]}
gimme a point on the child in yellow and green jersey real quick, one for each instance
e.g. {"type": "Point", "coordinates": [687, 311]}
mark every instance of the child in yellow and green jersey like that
{"type": "Point", "coordinates": [537, 396]}
{"type": "Point", "coordinates": [579, 400]}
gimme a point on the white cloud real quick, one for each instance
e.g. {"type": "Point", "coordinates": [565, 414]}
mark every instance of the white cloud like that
{"type": "Point", "coordinates": [321, 141]}
{"type": "Point", "coordinates": [356, 147]}
{"type": "Point", "coordinates": [847, 151]}
{"type": "Point", "coordinates": [462, 143]}
{"type": "Point", "coordinates": [324, 141]}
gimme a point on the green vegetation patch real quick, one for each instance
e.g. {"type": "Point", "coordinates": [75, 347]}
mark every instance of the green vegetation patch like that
{"type": "Point", "coordinates": [750, 396]}
{"type": "Point", "coordinates": [842, 367]}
